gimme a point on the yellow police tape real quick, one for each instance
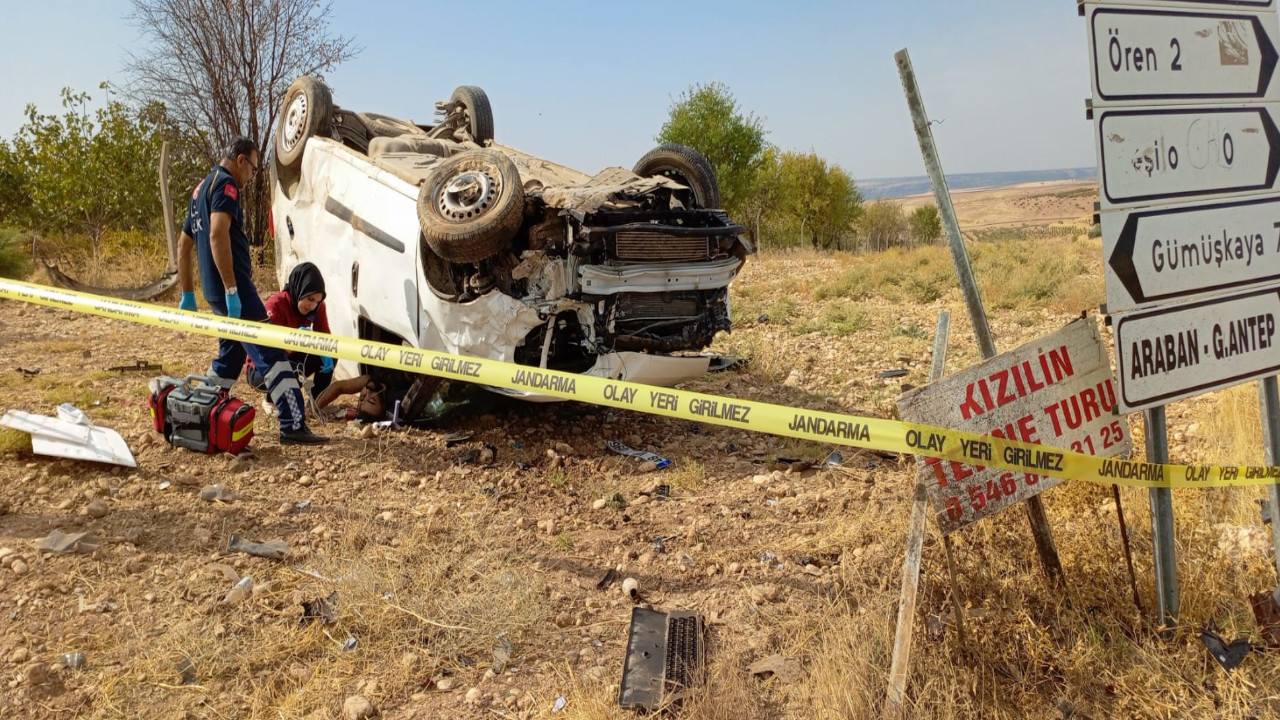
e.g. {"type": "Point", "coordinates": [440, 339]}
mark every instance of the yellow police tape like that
{"type": "Point", "coordinates": [822, 427]}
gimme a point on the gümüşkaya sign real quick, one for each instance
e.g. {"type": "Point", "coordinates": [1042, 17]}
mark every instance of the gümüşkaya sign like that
{"type": "Point", "coordinates": [1177, 351]}
{"type": "Point", "coordinates": [1179, 252]}
{"type": "Point", "coordinates": [1164, 154]}
{"type": "Point", "coordinates": [1057, 390]}
{"type": "Point", "coordinates": [1142, 54]}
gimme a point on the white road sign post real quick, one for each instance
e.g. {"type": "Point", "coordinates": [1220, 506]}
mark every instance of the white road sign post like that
{"type": "Point", "coordinates": [1185, 115]}
{"type": "Point", "coordinates": [1177, 351]}
{"type": "Point", "coordinates": [1180, 252]}
{"type": "Point", "coordinates": [1140, 54]}
{"type": "Point", "coordinates": [1188, 4]}
{"type": "Point", "coordinates": [1149, 155]}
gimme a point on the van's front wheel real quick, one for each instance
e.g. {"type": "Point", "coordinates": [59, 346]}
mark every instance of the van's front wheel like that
{"type": "Point", "coordinates": [471, 205]}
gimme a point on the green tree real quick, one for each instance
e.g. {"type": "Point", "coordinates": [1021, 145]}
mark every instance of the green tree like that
{"type": "Point", "coordinates": [883, 225]}
{"type": "Point", "coordinates": [708, 119]}
{"type": "Point", "coordinates": [924, 225]}
{"type": "Point", "coordinates": [222, 69]}
{"type": "Point", "coordinates": [87, 174]}
{"type": "Point", "coordinates": [819, 197]}
{"type": "Point", "coordinates": [13, 196]}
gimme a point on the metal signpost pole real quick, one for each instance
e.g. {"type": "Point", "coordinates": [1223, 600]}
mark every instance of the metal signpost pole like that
{"type": "Point", "coordinates": [1162, 522]}
{"type": "Point", "coordinates": [901, 664]}
{"type": "Point", "coordinates": [973, 301]}
{"type": "Point", "coordinates": [1270, 398]}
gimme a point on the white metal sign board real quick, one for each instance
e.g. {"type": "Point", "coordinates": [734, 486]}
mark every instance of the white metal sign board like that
{"type": "Point", "coordinates": [1057, 390]}
{"type": "Point", "coordinates": [1180, 252]}
{"type": "Point", "coordinates": [1179, 351]}
{"type": "Point", "coordinates": [1213, 4]}
{"type": "Point", "coordinates": [1161, 154]}
{"type": "Point", "coordinates": [1145, 54]}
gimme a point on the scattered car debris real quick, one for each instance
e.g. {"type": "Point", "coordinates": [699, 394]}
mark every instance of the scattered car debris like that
{"type": "Point", "coordinates": [58, 542]}
{"type": "Point", "coordinates": [29, 371]}
{"type": "Point", "coordinates": [631, 588]}
{"type": "Point", "coordinates": [239, 592]}
{"type": "Point", "coordinates": [785, 669]}
{"type": "Point", "coordinates": [324, 610]}
{"type": "Point", "coordinates": [272, 550]}
{"type": "Point", "coordinates": [455, 438]}
{"type": "Point", "coordinates": [897, 372]}
{"type": "Point", "coordinates": [835, 459]}
{"type": "Point", "coordinates": [138, 366]}
{"type": "Point", "coordinates": [1267, 615]}
{"type": "Point", "coordinates": [217, 493]}
{"type": "Point", "coordinates": [721, 363]}
{"type": "Point", "coordinates": [1228, 655]}
{"type": "Point", "coordinates": [559, 704]}
{"type": "Point", "coordinates": [350, 643]}
{"type": "Point", "coordinates": [610, 577]}
{"type": "Point", "coordinates": [622, 449]}
{"type": "Point", "coordinates": [665, 658]}
{"type": "Point", "coordinates": [71, 660]}
{"type": "Point", "coordinates": [70, 435]}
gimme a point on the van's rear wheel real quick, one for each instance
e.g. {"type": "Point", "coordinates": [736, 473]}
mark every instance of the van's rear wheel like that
{"type": "Point", "coordinates": [471, 205]}
{"type": "Point", "coordinates": [306, 112]}
{"type": "Point", "coordinates": [687, 167]}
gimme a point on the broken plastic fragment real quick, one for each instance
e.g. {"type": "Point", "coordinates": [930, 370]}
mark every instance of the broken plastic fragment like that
{"type": "Point", "coordinates": [272, 550]}
{"type": "Point", "coordinates": [323, 609]}
{"type": "Point", "coordinates": [621, 449]}
{"type": "Point", "coordinates": [1229, 656]}
{"type": "Point", "coordinates": [58, 542]}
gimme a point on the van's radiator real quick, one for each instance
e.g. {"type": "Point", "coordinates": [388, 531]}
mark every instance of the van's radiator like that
{"type": "Point", "coordinates": [636, 246]}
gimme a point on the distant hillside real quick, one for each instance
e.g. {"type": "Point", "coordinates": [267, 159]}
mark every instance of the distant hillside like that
{"type": "Point", "coordinates": [879, 188]}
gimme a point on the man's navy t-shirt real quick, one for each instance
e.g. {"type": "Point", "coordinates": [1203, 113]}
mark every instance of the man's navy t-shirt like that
{"type": "Point", "coordinates": [219, 193]}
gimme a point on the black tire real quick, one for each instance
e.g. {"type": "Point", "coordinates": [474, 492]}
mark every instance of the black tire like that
{"type": "Point", "coordinates": [471, 205]}
{"type": "Point", "coordinates": [418, 396]}
{"type": "Point", "coordinates": [386, 126]}
{"type": "Point", "coordinates": [687, 167]}
{"type": "Point", "coordinates": [479, 113]}
{"type": "Point", "coordinates": [306, 111]}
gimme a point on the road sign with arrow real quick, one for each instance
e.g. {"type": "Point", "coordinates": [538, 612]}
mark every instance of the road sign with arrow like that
{"type": "Point", "coordinates": [1169, 153]}
{"type": "Point", "coordinates": [1179, 252]}
{"type": "Point", "coordinates": [1145, 54]}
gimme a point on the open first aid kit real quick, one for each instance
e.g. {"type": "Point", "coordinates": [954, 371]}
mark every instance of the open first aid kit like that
{"type": "Point", "coordinates": [199, 415]}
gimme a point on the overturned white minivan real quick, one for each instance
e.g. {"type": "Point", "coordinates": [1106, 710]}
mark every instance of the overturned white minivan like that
{"type": "Point", "coordinates": [437, 237]}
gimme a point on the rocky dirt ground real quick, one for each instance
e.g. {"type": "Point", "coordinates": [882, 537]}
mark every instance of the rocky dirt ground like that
{"type": "Point", "coordinates": [466, 578]}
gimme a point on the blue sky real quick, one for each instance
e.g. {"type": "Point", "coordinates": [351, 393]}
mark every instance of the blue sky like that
{"type": "Point", "coordinates": [589, 83]}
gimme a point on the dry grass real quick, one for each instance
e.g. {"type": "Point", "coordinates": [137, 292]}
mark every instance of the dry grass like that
{"type": "Point", "coordinates": [456, 569]}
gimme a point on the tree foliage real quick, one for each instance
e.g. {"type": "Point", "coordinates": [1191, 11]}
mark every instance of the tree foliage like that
{"type": "Point", "coordinates": [708, 119]}
{"type": "Point", "coordinates": [883, 225]}
{"type": "Point", "coordinates": [820, 196]}
{"type": "Point", "coordinates": [924, 225]}
{"type": "Point", "coordinates": [222, 68]}
{"type": "Point", "coordinates": [82, 173]}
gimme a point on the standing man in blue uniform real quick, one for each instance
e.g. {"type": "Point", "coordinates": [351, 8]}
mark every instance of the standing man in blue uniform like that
{"type": "Point", "coordinates": [215, 231]}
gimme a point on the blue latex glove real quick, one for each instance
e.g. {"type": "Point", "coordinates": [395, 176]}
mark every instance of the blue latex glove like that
{"type": "Point", "coordinates": [233, 305]}
{"type": "Point", "coordinates": [188, 301]}
{"type": "Point", "coordinates": [326, 364]}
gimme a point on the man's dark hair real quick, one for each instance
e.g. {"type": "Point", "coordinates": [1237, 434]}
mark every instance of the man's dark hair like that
{"type": "Point", "coordinates": [240, 146]}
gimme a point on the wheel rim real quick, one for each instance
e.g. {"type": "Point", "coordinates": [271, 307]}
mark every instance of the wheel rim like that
{"type": "Point", "coordinates": [468, 194]}
{"type": "Point", "coordinates": [295, 122]}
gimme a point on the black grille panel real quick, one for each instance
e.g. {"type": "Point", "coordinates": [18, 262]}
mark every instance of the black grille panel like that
{"type": "Point", "coordinates": [638, 306]}
{"type": "Point", "coordinates": [634, 246]}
